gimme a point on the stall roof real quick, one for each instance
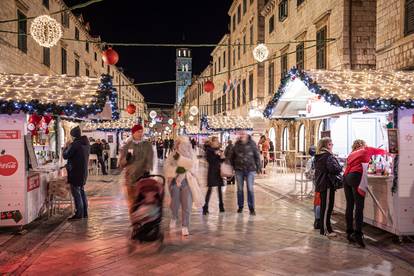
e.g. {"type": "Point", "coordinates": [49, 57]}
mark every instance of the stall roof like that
{"type": "Point", "coordinates": [342, 90]}
{"type": "Point", "coordinates": [56, 94]}
{"type": "Point", "coordinates": [194, 130]}
{"type": "Point", "coordinates": [122, 124]}
{"type": "Point", "coordinates": [226, 123]}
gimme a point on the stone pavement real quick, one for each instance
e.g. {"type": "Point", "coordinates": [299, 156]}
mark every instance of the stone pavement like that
{"type": "Point", "coordinates": [280, 240]}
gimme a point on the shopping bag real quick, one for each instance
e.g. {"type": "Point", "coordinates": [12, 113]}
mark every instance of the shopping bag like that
{"type": "Point", "coordinates": [363, 185]}
{"type": "Point", "coordinates": [226, 170]}
{"type": "Point", "coordinates": [196, 193]}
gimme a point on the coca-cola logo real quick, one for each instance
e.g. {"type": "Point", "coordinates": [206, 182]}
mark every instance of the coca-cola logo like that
{"type": "Point", "coordinates": [8, 165]}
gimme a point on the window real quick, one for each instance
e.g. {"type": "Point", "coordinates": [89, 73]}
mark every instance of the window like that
{"type": "Point", "coordinates": [45, 3]}
{"type": "Point", "coordinates": [238, 95]}
{"type": "Point", "coordinates": [87, 47]}
{"type": "Point", "coordinates": [87, 72]}
{"type": "Point", "coordinates": [223, 102]}
{"type": "Point", "coordinates": [409, 17]}
{"type": "Point", "coordinates": [238, 50]}
{"type": "Point", "coordinates": [251, 36]}
{"type": "Point", "coordinates": [301, 139]}
{"type": "Point", "coordinates": [271, 24]}
{"type": "Point", "coordinates": [215, 68]}
{"type": "Point", "coordinates": [251, 87]}
{"type": "Point", "coordinates": [219, 64]}
{"type": "Point", "coordinates": [64, 61]}
{"type": "Point", "coordinates": [283, 65]}
{"type": "Point", "coordinates": [244, 44]}
{"type": "Point", "coordinates": [22, 32]}
{"type": "Point", "coordinates": [96, 56]}
{"type": "Point", "coordinates": [64, 17]}
{"type": "Point", "coordinates": [321, 129]}
{"type": "Point", "coordinates": [285, 139]}
{"type": "Point", "coordinates": [321, 49]}
{"type": "Point", "coordinates": [244, 6]}
{"type": "Point", "coordinates": [271, 76]}
{"type": "Point", "coordinates": [244, 91]}
{"type": "Point", "coordinates": [76, 33]}
{"type": "Point", "coordinates": [283, 10]}
{"type": "Point", "coordinates": [238, 14]}
{"type": "Point", "coordinates": [299, 2]}
{"type": "Point", "coordinates": [234, 23]}
{"type": "Point", "coordinates": [77, 67]}
{"type": "Point", "coordinates": [300, 56]}
{"type": "Point", "coordinates": [234, 56]}
{"type": "Point", "coordinates": [224, 59]}
{"type": "Point", "coordinates": [46, 56]}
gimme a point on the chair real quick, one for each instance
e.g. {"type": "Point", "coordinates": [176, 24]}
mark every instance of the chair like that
{"type": "Point", "coordinates": [281, 164]}
{"type": "Point", "coordinates": [59, 196]}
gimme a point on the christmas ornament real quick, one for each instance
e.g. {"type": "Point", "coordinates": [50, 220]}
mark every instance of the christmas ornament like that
{"type": "Point", "coordinates": [46, 31]}
{"type": "Point", "coordinates": [179, 113]}
{"type": "Point", "coordinates": [208, 86]}
{"type": "Point", "coordinates": [153, 114]}
{"type": "Point", "coordinates": [151, 124]}
{"type": "Point", "coordinates": [194, 110]}
{"type": "Point", "coordinates": [47, 118]}
{"type": "Point", "coordinates": [110, 56]}
{"type": "Point", "coordinates": [182, 123]}
{"type": "Point", "coordinates": [170, 121]}
{"type": "Point", "coordinates": [31, 126]}
{"type": "Point", "coordinates": [191, 118]}
{"type": "Point", "coordinates": [131, 108]}
{"type": "Point", "coordinates": [174, 125]}
{"type": "Point", "coordinates": [260, 53]}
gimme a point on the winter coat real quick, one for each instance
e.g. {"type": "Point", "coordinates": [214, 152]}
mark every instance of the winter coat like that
{"type": "Point", "coordinates": [325, 164]}
{"type": "Point", "coordinates": [77, 155]}
{"type": "Point", "coordinates": [137, 163]}
{"type": "Point", "coordinates": [228, 151]}
{"type": "Point", "coordinates": [185, 161]}
{"type": "Point", "coordinates": [214, 178]}
{"type": "Point", "coordinates": [97, 149]}
{"type": "Point", "coordinates": [246, 157]}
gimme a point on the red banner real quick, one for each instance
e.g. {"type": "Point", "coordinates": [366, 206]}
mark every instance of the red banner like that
{"type": "Point", "coordinates": [9, 134]}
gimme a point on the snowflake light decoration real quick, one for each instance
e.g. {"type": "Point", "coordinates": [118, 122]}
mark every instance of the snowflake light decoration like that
{"type": "Point", "coordinates": [46, 31]}
{"type": "Point", "coordinates": [260, 53]}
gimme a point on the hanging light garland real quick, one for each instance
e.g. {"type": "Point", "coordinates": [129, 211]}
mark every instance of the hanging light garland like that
{"type": "Point", "coordinates": [170, 121]}
{"type": "Point", "coordinates": [194, 110]}
{"type": "Point", "coordinates": [46, 31]}
{"type": "Point", "coordinates": [191, 118]}
{"type": "Point", "coordinates": [153, 114]}
{"type": "Point", "coordinates": [261, 52]}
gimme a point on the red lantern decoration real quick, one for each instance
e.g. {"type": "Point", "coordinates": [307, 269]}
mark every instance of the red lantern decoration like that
{"type": "Point", "coordinates": [131, 108]}
{"type": "Point", "coordinates": [110, 56]}
{"type": "Point", "coordinates": [208, 86]}
{"type": "Point", "coordinates": [179, 113]}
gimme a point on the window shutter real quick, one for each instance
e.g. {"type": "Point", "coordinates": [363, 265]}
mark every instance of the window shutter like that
{"type": "Point", "coordinates": [409, 17]}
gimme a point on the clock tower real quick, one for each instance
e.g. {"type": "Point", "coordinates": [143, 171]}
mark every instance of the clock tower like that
{"type": "Point", "coordinates": [183, 72]}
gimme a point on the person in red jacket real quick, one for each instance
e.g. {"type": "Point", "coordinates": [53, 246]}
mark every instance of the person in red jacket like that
{"type": "Point", "coordinates": [354, 198]}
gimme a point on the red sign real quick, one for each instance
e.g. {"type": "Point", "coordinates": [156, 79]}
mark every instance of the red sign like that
{"type": "Point", "coordinates": [9, 134]}
{"type": "Point", "coordinates": [33, 182]}
{"type": "Point", "coordinates": [8, 165]}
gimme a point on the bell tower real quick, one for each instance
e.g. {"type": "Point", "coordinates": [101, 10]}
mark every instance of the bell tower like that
{"type": "Point", "coordinates": [183, 72]}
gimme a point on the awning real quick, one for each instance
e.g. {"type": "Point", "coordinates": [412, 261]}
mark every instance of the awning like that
{"type": "Point", "coordinates": [57, 95]}
{"type": "Point", "coordinates": [226, 123]}
{"type": "Point", "coordinates": [316, 93]}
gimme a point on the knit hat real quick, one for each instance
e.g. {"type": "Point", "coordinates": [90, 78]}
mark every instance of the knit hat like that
{"type": "Point", "coordinates": [135, 128]}
{"type": "Point", "coordinates": [76, 132]}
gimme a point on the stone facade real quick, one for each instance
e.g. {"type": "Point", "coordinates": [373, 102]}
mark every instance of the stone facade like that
{"type": "Point", "coordinates": [395, 46]}
{"type": "Point", "coordinates": [83, 58]}
{"type": "Point", "coordinates": [221, 75]}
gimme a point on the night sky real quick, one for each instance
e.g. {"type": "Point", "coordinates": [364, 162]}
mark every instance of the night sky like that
{"type": "Point", "coordinates": [171, 21]}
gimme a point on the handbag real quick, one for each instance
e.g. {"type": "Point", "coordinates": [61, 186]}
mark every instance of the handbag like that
{"type": "Point", "coordinates": [336, 180]}
{"type": "Point", "coordinates": [226, 170]}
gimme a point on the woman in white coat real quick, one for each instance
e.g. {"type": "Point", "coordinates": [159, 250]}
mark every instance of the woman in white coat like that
{"type": "Point", "coordinates": [177, 167]}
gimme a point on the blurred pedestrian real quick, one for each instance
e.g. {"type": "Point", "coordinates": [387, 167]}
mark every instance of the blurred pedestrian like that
{"type": "Point", "coordinates": [245, 160]}
{"type": "Point", "coordinates": [77, 154]}
{"type": "Point", "coordinates": [97, 148]}
{"type": "Point", "coordinates": [214, 158]}
{"type": "Point", "coordinates": [355, 198]}
{"type": "Point", "coordinates": [178, 166]}
{"type": "Point", "coordinates": [326, 166]}
{"type": "Point", "coordinates": [136, 159]}
{"type": "Point", "coordinates": [227, 154]}
{"type": "Point", "coordinates": [264, 147]}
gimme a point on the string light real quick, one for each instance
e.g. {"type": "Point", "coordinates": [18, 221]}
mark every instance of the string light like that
{"type": "Point", "coordinates": [194, 110]}
{"type": "Point", "coordinates": [191, 118]}
{"type": "Point", "coordinates": [229, 123]}
{"type": "Point", "coordinates": [182, 123]}
{"type": "Point", "coordinates": [122, 124]}
{"type": "Point", "coordinates": [46, 31]}
{"type": "Point", "coordinates": [260, 53]}
{"type": "Point", "coordinates": [170, 121]}
{"type": "Point", "coordinates": [153, 114]}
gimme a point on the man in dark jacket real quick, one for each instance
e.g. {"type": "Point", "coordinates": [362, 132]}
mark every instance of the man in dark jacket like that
{"type": "Point", "coordinates": [227, 154]}
{"type": "Point", "coordinates": [77, 154]}
{"type": "Point", "coordinates": [245, 159]}
{"type": "Point", "coordinates": [97, 149]}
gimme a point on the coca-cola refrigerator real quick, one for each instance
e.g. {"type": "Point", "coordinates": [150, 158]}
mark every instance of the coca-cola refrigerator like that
{"type": "Point", "coordinates": [22, 192]}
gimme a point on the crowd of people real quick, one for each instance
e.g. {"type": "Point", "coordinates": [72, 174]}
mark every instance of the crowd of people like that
{"type": "Point", "coordinates": [244, 157]}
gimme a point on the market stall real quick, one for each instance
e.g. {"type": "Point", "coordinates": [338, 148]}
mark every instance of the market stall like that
{"type": "Point", "coordinates": [36, 115]}
{"type": "Point", "coordinates": [226, 127]}
{"type": "Point", "coordinates": [376, 106]}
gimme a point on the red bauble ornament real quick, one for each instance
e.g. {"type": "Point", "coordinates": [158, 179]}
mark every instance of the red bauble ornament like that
{"type": "Point", "coordinates": [208, 86]}
{"type": "Point", "coordinates": [110, 56]}
{"type": "Point", "coordinates": [131, 109]}
{"type": "Point", "coordinates": [174, 125]}
{"type": "Point", "coordinates": [35, 119]}
{"type": "Point", "coordinates": [179, 113]}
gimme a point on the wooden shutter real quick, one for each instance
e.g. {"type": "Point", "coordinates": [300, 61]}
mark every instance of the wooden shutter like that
{"type": "Point", "coordinates": [409, 17]}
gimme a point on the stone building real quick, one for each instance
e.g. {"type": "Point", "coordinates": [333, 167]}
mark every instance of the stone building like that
{"type": "Point", "coordinates": [21, 54]}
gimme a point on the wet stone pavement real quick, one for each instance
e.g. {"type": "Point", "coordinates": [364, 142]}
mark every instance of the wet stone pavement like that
{"type": "Point", "coordinates": [280, 240]}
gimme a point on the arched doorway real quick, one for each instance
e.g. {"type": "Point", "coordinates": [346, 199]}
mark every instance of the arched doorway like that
{"type": "Point", "coordinates": [301, 138]}
{"type": "Point", "coordinates": [272, 136]}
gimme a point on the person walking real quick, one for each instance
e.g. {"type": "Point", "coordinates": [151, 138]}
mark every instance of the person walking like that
{"type": "Point", "coordinates": [136, 159]}
{"type": "Point", "coordinates": [214, 158]}
{"type": "Point", "coordinates": [97, 148]}
{"type": "Point", "coordinates": [77, 155]}
{"type": "Point", "coordinates": [245, 160]}
{"type": "Point", "coordinates": [326, 166]}
{"type": "Point", "coordinates": [166, 147]}
{"type": "Point", "coordinates": [355, 198]}
{"type": "Point", "coordinates": [227, 154]}
{"type": "Point", "coordinates": [264, 147]}
{"type": "Point", "coordinates": [178, 167]}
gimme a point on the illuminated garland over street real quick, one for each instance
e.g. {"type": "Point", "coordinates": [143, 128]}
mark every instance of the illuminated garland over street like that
{"type": "Point", "coordinates": [376, 104]}
{"type": "Point", "coordinates": [105, 91]}
{"type": "Point", "coordinates": [225, 123]}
